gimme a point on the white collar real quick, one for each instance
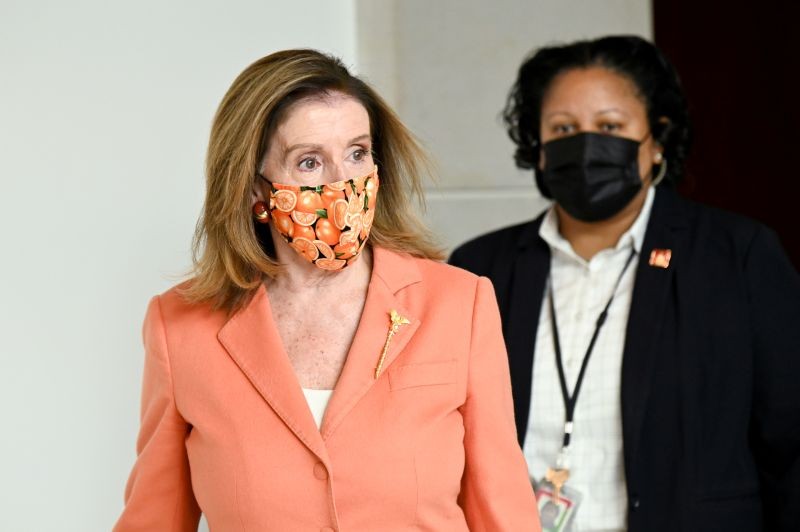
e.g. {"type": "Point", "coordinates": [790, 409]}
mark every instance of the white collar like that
{"type": "Point", "coordinates": [634, 236]}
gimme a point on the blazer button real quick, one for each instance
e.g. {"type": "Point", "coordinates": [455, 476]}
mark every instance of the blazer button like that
{"type": "Point", "coordinates": [635, 502]}
{"type": "Point", "coordinates": [321, 473]}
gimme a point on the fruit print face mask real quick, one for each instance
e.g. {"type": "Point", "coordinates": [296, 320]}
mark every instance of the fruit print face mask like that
{"type": "Point", "coordinates": [328, 225]}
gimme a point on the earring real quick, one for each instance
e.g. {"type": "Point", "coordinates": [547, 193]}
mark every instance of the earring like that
{"type": "Point", "coordinates": [662, 171]}
{"type": "Point", "coordinates": [658, 157]}
{"type": "Point", "coordinates": [260, 212]}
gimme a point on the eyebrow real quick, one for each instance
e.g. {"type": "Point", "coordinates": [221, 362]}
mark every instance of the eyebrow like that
{"type": "Point", "coordinates": [612, 110]}
{"type": "Point", "coordinates": [556, 113]}
{"type": "Point", "coordinates": [307, 146]}
{"type": "Point", "coordinates": [601, 112]}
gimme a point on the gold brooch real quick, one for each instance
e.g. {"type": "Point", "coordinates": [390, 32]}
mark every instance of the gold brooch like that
{"type": "Point", "coordinates": [396, 321]}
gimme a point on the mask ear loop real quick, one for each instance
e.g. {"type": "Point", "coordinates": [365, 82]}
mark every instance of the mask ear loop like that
{"type": "Point", "coordinates": [662, 172]}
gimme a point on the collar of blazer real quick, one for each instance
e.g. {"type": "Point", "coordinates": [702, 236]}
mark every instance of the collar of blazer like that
{"type": "Point", "coordinates": [253, 342]}
{"type": "Point", "coordinates": [669, 210]}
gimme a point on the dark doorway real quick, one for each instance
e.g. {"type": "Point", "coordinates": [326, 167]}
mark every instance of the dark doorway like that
{"type": "Point", "coordinates": [739, 63]}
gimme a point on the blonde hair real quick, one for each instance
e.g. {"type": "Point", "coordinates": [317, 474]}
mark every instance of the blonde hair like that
{"type": "Point", "coordinates": [232, 254]}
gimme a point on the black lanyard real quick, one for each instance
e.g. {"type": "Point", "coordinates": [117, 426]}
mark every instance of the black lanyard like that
{"type": "Point", "coordinates": [571, 401]}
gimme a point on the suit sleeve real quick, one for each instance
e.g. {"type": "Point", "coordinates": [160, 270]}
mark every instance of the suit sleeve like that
{"type": "Point", "coordinates": [774, 292]}
{"type": "Point", "coordinates": [496, 494]}
{"type": "Point", "coordinates": [159, 494]}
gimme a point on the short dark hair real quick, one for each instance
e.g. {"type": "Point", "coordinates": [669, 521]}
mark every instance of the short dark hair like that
{"type": "Point", "coordinates": [633, 57]}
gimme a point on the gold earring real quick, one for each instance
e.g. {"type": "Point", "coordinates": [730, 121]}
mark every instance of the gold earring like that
{"type": "Point", "coordinates": [662, 171]}
{"type": "Point", "coordinates": [260, 212]}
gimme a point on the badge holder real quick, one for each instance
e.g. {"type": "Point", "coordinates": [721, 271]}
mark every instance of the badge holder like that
{"type": "Point", "coordinates": [557, 503]}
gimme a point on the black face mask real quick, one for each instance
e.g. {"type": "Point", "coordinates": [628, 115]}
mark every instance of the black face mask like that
{"type": "Point", "coordinates": [592, 176]}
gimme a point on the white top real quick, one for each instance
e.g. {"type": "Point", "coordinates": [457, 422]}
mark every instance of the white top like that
{"type": "Point", "coordinates": [582, 288]}
{"type": "Point", "coordinates": [317, 403]}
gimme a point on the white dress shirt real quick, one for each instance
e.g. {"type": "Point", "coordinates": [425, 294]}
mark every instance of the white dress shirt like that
{"type": "Point", "coordinates": [582, 289]}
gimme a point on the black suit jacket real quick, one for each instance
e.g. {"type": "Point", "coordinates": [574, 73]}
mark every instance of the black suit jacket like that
{"type": "Point", "coordinates": [710, 372]}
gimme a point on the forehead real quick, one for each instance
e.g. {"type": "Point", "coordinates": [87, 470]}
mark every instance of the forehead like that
{"type": "Point", "coordinates": [591, 89]}
{"type": "Point", "coordinates": [326, 115]}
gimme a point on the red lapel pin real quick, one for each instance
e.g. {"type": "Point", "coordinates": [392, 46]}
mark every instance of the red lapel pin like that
{"type": "Point", "coordinates": [659, 258]}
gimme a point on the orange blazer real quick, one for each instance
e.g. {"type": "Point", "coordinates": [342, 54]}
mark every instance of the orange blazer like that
{"type": "Point", "coordinates": [428, 445]}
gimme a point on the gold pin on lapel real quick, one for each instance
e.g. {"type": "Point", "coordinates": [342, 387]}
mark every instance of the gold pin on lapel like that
{"type": "Point", "coordinates": [396, 321]}
{"type": "Point", "coordinates": [659, 258]}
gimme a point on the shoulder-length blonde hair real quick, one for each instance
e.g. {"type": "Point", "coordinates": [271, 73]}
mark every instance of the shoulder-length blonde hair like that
{"type": "Point", "coordinates": [232, 254]}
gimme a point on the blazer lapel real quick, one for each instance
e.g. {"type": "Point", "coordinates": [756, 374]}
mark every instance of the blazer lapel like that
{"type": "Point", "coordinates": [528, 278]}
{"type": "Point", "coordinates": [390, 273]}
{"type": "Point", "coordinates": [650, 299]}
{"type": "Point", "coordinates": [253, 342]}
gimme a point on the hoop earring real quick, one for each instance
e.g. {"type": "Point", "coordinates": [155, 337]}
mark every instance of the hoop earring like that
{"type": "Point", "coordinates": [662, 172]}
{"type": "Point", "coordinates": [260, 212]}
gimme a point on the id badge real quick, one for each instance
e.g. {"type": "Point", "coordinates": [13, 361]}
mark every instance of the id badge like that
{"type": "Point", "coordinates": [556, 515]}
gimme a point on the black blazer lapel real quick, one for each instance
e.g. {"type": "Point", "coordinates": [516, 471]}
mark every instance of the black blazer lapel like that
{"type": "Point", "coordinates": [528, 276]}
{"type": "Point", "coordinates": [649, 301]}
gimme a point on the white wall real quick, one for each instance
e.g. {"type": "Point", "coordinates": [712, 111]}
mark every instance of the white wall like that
{"type": "Point", "coordinates": [105, 110]}
{"type": "Point", "coordinates": [447, 66]}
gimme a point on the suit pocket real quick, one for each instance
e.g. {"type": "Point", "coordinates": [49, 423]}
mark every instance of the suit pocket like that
{"type": "Point", "coordinates": [422, 374]}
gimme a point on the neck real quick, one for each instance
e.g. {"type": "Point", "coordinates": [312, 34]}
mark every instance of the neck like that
{"type": "Point", "coordinates": [589, 238]}
{"type": "Point", "coordinates": [300, 275]}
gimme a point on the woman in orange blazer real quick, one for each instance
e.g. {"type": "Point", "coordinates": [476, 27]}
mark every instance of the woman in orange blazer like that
{"type": "Point", "coordinates": [305, 379]}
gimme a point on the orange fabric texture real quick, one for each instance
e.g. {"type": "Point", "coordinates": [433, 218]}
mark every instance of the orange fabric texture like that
{"type": "Point", "coordinates": [428, 445]}
{"type": "Point", "coordinates": [328, 225]}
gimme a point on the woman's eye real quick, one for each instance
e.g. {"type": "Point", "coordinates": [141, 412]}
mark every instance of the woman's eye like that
{"type": "Point", "coordinates": [308, 163]}
{"type": "Point", "coordinates": [563, 129]}
{"type": "Point", "coordinates": [609, 127]}
{"type": "Point", "coordinates": [360, 155]}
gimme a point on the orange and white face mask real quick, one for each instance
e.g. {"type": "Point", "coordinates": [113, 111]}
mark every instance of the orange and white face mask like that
{"type": "Point", "coordinates": [327, 225]}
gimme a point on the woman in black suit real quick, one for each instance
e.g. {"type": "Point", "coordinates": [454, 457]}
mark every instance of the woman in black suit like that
{"type": "Point", "coordinates": [654, 343]}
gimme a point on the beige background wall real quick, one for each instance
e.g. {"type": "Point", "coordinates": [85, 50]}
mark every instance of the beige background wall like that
{"type": "Point", "coordinates": [447, 66]}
